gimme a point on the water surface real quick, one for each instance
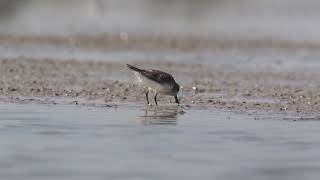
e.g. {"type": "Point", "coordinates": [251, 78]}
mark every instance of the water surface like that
{"type": "Point", "coordinates": [70, 142]}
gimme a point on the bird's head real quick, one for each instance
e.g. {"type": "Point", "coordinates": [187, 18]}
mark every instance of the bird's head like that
{"type": "Point", "coordinates": [176, 88]}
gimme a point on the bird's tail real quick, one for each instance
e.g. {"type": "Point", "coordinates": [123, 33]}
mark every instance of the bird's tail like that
{"type": "Point", "coordinates": [133, 68]}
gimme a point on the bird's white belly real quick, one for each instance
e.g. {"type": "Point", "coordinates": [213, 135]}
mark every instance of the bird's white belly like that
{"type": "Point", "coordinates": [165, 89]}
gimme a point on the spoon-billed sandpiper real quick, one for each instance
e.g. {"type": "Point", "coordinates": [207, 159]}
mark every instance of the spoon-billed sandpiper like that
{"type": "Point", "coordinates": [157, 81]}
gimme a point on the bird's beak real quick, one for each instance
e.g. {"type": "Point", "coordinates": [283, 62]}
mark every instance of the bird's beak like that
{"type": "Point", "coordinates": [177, 101]}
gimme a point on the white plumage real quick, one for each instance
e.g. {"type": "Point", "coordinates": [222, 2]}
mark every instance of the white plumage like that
{"type": "Point", "coordinates": [163, 89]}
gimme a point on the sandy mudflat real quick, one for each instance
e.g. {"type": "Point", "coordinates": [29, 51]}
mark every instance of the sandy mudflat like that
{"type": "Point", "coordinates": [110, 84]}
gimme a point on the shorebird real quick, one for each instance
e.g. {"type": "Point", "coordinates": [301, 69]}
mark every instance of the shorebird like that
{"type": "Point", "coordinates": [157, 81]}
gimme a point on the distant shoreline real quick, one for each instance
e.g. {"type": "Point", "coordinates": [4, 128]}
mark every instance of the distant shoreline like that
{"type": "Point", "coordinates": [183, 43]}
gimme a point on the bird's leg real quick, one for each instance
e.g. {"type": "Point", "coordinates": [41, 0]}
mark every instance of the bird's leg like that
{"type": "Point", "coordinates": [147, 97]}
{"type": "Point", "coordinates": [155, 98]}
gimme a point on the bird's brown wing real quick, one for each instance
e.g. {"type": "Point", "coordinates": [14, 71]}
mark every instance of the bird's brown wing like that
{"type": "Point", "coordinates": [158, 76]}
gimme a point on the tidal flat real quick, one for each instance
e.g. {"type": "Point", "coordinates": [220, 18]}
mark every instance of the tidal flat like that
{"type": "Point", "coordinates": [247, 79]}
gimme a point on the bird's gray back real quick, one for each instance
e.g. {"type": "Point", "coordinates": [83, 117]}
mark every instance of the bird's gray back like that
{"type": "Point", "coordinates": [158, 76]}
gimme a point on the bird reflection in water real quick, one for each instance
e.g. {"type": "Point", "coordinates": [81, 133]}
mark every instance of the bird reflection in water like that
{"type": "Point", "coordinates": [161, 115]}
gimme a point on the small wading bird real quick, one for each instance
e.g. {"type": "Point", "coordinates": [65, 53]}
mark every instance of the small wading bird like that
{"type": "Point", "coordinates": [156, 81]}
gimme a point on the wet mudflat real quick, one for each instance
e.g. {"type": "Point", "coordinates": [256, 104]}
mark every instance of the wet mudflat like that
{"type": "Point", "coordinates": [250, 102]}
{"type": "Point", "coordinates": [223, 79]}
{"type": "Point", "coordinates": [75, 142]}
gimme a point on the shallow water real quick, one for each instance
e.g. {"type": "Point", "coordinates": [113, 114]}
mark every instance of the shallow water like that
{"type": "Point", "coordinates": [70, 142]}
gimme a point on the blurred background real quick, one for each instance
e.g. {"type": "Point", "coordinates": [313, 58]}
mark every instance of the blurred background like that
{"type": "Point", "coordinates": [129, 30]}
{"type": "Point", "coordinates": [294, 20]}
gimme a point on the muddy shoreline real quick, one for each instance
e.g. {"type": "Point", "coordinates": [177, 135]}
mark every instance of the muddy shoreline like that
{"type": "Point", "coordinates": [27, 80]}
{"type": "Point", "coordinates": [149, 42]}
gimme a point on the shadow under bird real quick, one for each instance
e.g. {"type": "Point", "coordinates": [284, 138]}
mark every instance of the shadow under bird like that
{"type": "Point", "coordinates": [157, 81]}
